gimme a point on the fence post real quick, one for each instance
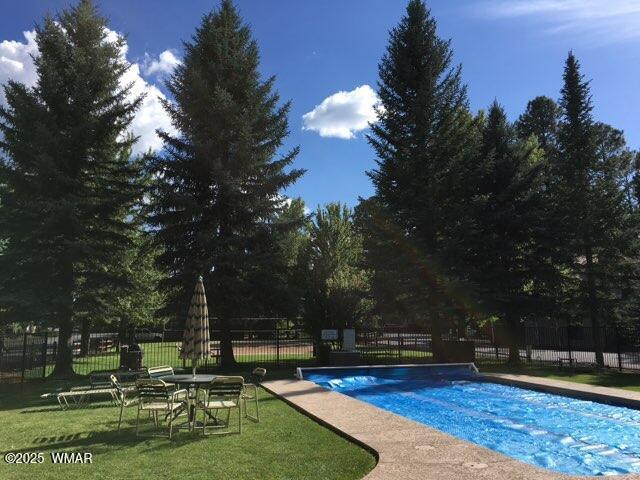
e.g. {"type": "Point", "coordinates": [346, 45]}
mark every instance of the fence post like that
{"type": "Point", "coordinates": [24, 355]}
{"type": "Point", "coordinates": [617, 332]}
{"type": "Point", "coordinates": [399, 349]}
{"type": "Point", "coordinates": [277, 347]}
{"type": "Point", "coordinates": [568, 327]}
{"type": "Point", "coordinates": [45, 349]}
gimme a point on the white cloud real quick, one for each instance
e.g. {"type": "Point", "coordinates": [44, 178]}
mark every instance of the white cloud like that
{"type": "Point", "coordinates": [151, 114]}
{"type": "Point", "coordinates": [163, 65]}
{"type": "Point", "coordinates": [603, 22]}
{"type": "Point", "coordinates": [343, 114]}
{"type": "Point", "coordinates": [16, 64]}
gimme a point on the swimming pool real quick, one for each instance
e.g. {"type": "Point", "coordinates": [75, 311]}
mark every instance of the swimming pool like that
{"type": "Point", "coordinates": [555, 432]}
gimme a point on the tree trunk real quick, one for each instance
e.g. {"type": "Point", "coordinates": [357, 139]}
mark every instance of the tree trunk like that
{"type": "Point", "coordinates": [85, 337]}
{"type": "Point", "coordinates": [593, 308]}
{"type": "Point", "coordinates": [513, 328]}
{"type": "Point", "coordinates": [123, 331]}
{"type": "Point", "coordinates": [64, 359]}
{"type": "Point", "coordinates": [462, 327]}
{"type": "Point", "coordinates": [227, 358]}
{"type": "Point", "coordinates": [436, 337]}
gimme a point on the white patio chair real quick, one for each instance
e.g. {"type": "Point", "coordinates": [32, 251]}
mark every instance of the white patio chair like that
{"type": "Point", "coordinates": [157, 396]}
{"type": "Point", "coordinates": [250, 392]}
{"type": "Point", "coordinates": [223, 393]}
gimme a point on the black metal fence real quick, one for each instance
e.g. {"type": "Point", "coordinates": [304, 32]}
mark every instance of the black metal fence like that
{"type": "Point", "coordinates": [389, 346]}
{"type": "Point", "coordinates": [562, 345]}
{"type": "Point", "coordinates": [28, 356]}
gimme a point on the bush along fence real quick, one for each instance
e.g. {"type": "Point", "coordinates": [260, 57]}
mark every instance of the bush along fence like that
{"type": "Point", "coordinates": [29, 356]}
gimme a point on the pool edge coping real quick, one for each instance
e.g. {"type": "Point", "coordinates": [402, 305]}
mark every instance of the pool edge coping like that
{"type": "Point", "coordinates": [582, 391]}
{"type": "Point", "coordinates": [395, 461]}
{"type": "Point", "coordinates": [299, 370]}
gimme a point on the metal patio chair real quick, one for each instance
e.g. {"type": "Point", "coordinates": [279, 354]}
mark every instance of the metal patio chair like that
{"type": "Point", "coordinates": [157, 396]}
{"type": "Point", "coordinates": [223, 393]}
{"type": "Point", "coordinates": [126, 395]}
{"type": "Point", "coordinates": [250, 392]}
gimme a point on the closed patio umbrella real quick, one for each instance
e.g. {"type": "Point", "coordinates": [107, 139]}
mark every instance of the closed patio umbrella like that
{"type": "Point", "coordinates": [195, 342]}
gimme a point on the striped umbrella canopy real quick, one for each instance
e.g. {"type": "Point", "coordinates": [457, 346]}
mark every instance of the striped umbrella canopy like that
{"type": "Point", "coordinates": [195, 342]}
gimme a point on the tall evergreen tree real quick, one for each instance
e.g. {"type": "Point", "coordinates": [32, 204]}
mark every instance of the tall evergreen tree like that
{"type": "Point", "coordinates": [507, 209]}
{"type": "Point", "coordinates": [288, 279]}
{"type": "Point", "coordinates": [336, 285]}
{"type": "Point", "coordinates": [69, 182]}
{"type": "Point", "coordinates": [396, 286]}
{"type": "Point", "coordinates": [597, 215]}
{"type": "Point", "coordinates": [635, 180]}
{"type": "Point", "coordinates": [423, 140]}
{"type": "Point", "coordinates": [540, 120]}
{"type": "Point", "coordinates": [219, 180]}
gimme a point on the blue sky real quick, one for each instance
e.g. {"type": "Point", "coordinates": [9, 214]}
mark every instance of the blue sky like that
{"type": "Point", "coordinates": [511, 51]}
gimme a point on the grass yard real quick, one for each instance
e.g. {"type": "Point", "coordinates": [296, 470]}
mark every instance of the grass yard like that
{"type": "Point", "coordinates": [614, 379]}
{"type": "Point", "coordinates": [158, 353]}
{"type": "Point", "coordinates": [284, 445]}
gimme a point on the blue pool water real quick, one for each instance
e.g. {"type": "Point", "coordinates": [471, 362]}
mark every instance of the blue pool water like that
{"type": "Point", "coordinates": [551, 431]}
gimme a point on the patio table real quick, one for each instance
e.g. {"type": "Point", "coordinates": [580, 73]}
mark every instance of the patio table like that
{"type": "Point", "coordinates": [187, 380]}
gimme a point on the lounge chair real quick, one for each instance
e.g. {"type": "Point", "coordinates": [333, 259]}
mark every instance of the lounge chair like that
{"type": "Point", "coordinates": [77, 396]}
{"type": "Point", "coordinates": [250, 392]}
{"type": "Point", "coordinates": [157, 396]}
{"type": "Point", "coordinates": [157, 372]}
{"type": "Point", "coordinates": [223, 393]}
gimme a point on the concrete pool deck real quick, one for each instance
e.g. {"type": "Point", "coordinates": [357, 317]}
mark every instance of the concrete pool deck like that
{"type": "Point", "coordinates": [615, 396]}
{"type": "Point", "coordinates": [409, 450]}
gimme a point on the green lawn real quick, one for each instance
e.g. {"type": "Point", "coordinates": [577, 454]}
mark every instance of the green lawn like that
{"type": "Point", "coordinates": [284, 445]}
{"type": "Point", "coordinates": [624, 380]}
{"type": "Point", "coordinates": [158, 353]}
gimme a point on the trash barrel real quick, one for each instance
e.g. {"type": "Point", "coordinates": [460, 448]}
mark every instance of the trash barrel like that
{"type": "Point", "coordinates": [130, 359]}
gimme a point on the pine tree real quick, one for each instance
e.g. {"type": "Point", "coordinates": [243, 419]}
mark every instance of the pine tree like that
{"type": "Point", "coordinates": [635, 180]}
{"type": "Point", "coordinates": [288, 277]}
{"type": "Point", "coordinates": [423, 142]}
{"type": "Point", "coordinates": [69, 184]}
{"type": "Point", "coordinates": [336, 285]}
{"type": "Point", "coordinates": [139, 304]}
{"type": "Point", "coordinates": [596, 209]}
{"type": "Point", "coordinates": [540, 120]}
{"type": "Point", "coordinates": [507, 215]}
{"type": "Point", "coordinates": [217, 193]}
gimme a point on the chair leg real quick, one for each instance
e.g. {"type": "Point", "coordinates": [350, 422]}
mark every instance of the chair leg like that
{"type": "Point", "coordinates": [240, 418]}
{"type": "Point", "coordinates": [121, 411]}
{"type": "Point", "coordinates": [137, 421]}
{"type": "Point", "coordinates": [204, 421]}
{"type": "Point", "coordinates": [257, 408]}
{"type": "Point", "coordinates": [170, 425]}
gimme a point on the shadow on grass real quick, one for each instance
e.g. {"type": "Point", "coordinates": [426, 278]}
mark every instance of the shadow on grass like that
{"type": "Point", "coordinates": [110, 441]}
{"type": "Point", "coordinates": [95, 442]}
{"type": "Point", "coordinates": [56, 408]}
